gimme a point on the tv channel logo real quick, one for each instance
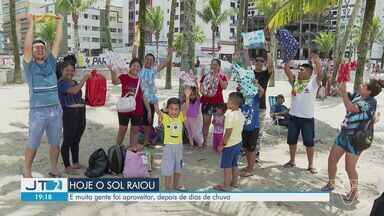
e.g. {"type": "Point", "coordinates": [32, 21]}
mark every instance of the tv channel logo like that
{"type": "Point", "coordinates": [44, 185]}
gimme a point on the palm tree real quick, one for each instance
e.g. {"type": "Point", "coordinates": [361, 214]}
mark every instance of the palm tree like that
{"type": "Point", "coordinates": [180, 42]}
{"type": "Point", "coordinates": [47, 31]}
{"type": "Point", "coordinates": [293, 10]}
{"type": "Point", "coordinates": [212, 13]}
{"type": "Point", "coordinates": [168, 76]}
{"type": "Point", "coordinates": [343, 43]}
{"type": "Point", "coordinates": [142, 12]}
{"type": "Point", "coordinates": [240, 24]}
{"type": "Point", "coordinates": [325, 42]}
{"type": "Point", "coordinates": [15, 45]}
{"type": "Point", "coordinates": [376, 31]}
{"type": "Point", "coordinates": [74, 8]}
{"type": "Point", "coordinates": [364, 42]}
{"type": "Point", "coordinates": [106, 28]}
{"type": "Point", "coordinates": [154, 22]}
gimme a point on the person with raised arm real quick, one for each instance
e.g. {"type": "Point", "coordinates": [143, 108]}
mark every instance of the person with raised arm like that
{"type": "Point", "coordinates": [301, 114]}
{"type": "Point", "coordinates": [45, 114]}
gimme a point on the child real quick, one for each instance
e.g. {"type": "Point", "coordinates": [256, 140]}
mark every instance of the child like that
{"type": "Point", "coordinates": [172, 122]}
{"type": "Point", "coordinates": [194, 123]}
{"type": "Point", "coordinates": [231, 145]}
{"type": "Point", "coordinates": [218, 126]}
{"type": "Point", "coordinates": [250, 132]}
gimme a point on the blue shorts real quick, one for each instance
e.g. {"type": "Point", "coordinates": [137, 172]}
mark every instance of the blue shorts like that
{"type": "Point", "coordinates": [230, 156]}
{"type": "Point", "coordinates": [304, 125]}
{"type": "Point", "coordinates": [45, 119]}
{"type": "Point", "coordinates": [344, 141]}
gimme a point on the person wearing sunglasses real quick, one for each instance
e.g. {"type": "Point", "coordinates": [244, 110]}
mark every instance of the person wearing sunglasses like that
{"type": "Point", "coordinates": [301, 114]}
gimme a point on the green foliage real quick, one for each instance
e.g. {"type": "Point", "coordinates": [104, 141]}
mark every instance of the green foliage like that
{"type": "Point", "coordinates": [325, 41]}
{"type": "Point", "coordinates": [73, 6]}
{"type": "Point", "coordinates": [154, 19]}
{"type": "Point", "coordinates": [212, 13]}
{"type": "Point", "coordinates": [292, 10]}
{"type": "Point", "coordinates": [179, 42]}
{"type": "Point", "coordinates": [46, 31]}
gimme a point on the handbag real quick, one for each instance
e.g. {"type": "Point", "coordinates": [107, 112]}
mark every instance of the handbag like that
{"type": "Point", "coordinates": [128, 103]}
{"type": "Point", "coordinates": [363, 137]}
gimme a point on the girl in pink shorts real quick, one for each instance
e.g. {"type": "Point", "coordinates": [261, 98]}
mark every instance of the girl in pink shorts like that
{"type": "Point", "coordinates": [218, 126]}
{"type": "Point", "coordinates": [194, 123]}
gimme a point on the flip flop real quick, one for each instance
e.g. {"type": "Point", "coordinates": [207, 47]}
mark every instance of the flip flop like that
{"type": "Point", "coordinates": [349, 197]}
{"type": "Point", "coordinates": [235, 185]}
{"type": "Point", "coordinates": [246, 174]}
{"type": "Point", "coordinates": [181, 189]}
{"type": "Point", "coordinates": [220, 188]}
{"type": "Point", "coordinates": [327, 188]}
{"type": "Point", "coordinates": [53, 175]}
{"type": "Point", "coordinates": [289, 165]}
{"type": "Point", "coordinates": [312, 170]}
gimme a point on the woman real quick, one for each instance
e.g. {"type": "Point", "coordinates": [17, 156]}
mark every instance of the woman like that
{"type": "Point", "coordinates": [129, 82]}
{"type": "Point", "coordinates": [360, 107]}
{"type": "Point", "coordinates": [212, 86]}
{"type": "Point", "coordinates": [73, 114]}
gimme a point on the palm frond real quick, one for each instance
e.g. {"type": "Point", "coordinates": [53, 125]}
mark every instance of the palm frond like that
{"type": "Point", "coordinates": [206, 15]}
{"type": "Point", "coordinates": [84, 4]}
{"type": "Point", "coordinates": [64, 6]}
{"type": "Point", "coordinates": [154, 19]}
{"type": "Point", "coordinates": [293, 10]}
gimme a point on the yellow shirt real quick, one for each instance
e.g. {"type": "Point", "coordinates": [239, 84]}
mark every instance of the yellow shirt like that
{"type": "Point", "coordinates": [173, 129]}
{"type": "Point", "coordinates": [235, 120]}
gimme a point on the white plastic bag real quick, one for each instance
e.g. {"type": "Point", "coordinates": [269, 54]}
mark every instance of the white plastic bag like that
{"type": "Point", "coordinates": [128, 103]}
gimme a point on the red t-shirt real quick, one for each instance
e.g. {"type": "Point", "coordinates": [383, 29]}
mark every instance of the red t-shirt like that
{"type": "Point", "coordinates": [129, 85]}
{"type": "Point", "coordinates": [218, 98]}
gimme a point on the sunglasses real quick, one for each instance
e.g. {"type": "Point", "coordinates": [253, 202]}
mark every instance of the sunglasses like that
{"type": "Point", "coordinates": [259, 60]}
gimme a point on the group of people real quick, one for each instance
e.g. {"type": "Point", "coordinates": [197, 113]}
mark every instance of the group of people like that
{"type": "Point", "coordinates": [56, 104]}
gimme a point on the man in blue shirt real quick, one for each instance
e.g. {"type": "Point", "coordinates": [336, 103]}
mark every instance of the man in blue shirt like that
{"type": "Point", "coordinates": [280, 112]}
{"type": "Point", "coordinates": [45, 114]}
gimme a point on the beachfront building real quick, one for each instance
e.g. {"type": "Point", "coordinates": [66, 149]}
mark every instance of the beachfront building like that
{"type": "Point", "coordinates": [22, 8]}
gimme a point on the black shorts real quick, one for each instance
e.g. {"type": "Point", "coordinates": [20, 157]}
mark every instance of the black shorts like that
{"type": "Point", "coordinates": [145, 117]}
{"type": "Point", "coordinates": [125, 119]}
{"type": "Point", "coordinates": [304, 125]}
{"type": "Point", "coordinates": [208, 109]}
{"type": "Point", "coordinates": [250, 140]}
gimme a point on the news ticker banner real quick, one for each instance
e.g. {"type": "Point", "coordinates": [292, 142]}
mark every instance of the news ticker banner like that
{"type": "Point", "coordinates": [140, 189]}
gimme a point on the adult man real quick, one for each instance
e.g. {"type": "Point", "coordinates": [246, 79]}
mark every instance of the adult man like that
{"type": "Point", "coordinates": [45, 114]}
{"type": "Point", "coordinates": [279, 111]}
{"type": "Point", "coordinates": [301, 114]}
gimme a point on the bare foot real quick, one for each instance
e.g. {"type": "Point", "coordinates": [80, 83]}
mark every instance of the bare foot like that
{"type": "Point", "coordinates": [77, 166]}
{"type": "Point", "coordinates": [71, 171]}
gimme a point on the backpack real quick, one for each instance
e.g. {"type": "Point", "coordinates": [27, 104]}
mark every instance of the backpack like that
{"type": "Point", "coordinates": [363, 137]}
{"type": "Point", "coordinates": [97, 164]}
{"type": "Point", "coordinates": [116, 155]}
{"type": "Point", "coordinates": [96, 90]}
{"type": "Point", "coordinates": [135, 165]}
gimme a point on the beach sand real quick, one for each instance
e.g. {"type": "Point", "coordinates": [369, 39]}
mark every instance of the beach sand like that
{"type": "Point", "coordinates": [201, 167]}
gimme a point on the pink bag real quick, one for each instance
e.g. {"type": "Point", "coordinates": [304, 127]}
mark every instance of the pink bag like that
{"type": "Point", "coordinates": [134, 166]}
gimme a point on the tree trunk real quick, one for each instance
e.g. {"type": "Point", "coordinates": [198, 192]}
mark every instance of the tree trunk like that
{"type": "Point", "coordinates": [64, 43]}
{"type": "Point", "coordinates": [106, 29]}
{"type": "Point", "coordinates": [240, 26]}
{"type": "Point", "coordinates": [213, 42]}
{"type": "Point", "coordinates": [344, 41]}
{"type": "Point", "coordinates": [142, 14]}
{"type": "Point", "coordinates": [15, 45]}
{"type": "Point", "coordinates": [382, 59]}
{"type": "Point", "coordinates": [168, 77]}
{"type": "Point", "coordinates": [301, 38]}
{"type": "Point", "coordinates": [245, 28]}
{"type": "Point", "coordinates": [157, 38]}
{"type": "Point", "coordinates": [188, 53]}
{"type": "Point", "coordinates": [75, 18]}
{"type": "Point", "coordinates": [337, 40]}
{"type": "Point", "coordinates": [363, 44]}
{"type": "Point", "coordinates": [273, 50]}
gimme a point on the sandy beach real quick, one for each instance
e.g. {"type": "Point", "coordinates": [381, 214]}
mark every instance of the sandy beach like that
{"type": "Point", "coordinates": [201, 167]}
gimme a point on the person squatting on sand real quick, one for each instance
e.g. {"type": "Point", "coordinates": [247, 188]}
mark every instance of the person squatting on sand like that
{"type": "Point", "coordinates": [301, 114]}
{"type": "Point", "coordinates": [45, 114]}
{"type": "Point", "coordinates": [360, 107]}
